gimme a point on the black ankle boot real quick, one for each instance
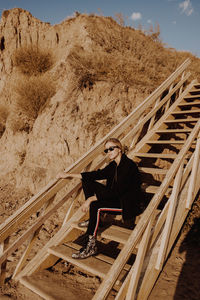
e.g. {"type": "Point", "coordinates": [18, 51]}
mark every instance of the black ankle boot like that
{"type": "Point", "coordinates": [89, 250]}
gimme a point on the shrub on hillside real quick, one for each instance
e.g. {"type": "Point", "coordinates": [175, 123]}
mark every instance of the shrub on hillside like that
{"type": "Point", "coordinates": [33, 93]}
{"type": "Point", "coordinates": [3, 118]}
{"type": "Point", "coordinates": [33, 60]}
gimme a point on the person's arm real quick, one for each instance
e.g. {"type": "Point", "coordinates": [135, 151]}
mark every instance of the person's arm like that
{"type": "Point", "coordinates": [68, 175]}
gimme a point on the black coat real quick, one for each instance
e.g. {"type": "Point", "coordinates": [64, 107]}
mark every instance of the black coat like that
{"type": "Point", "coordinates": [124, 179]}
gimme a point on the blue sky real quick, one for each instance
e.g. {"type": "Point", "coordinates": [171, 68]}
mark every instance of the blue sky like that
{"type": "Point", "coordinates": [179, 20]}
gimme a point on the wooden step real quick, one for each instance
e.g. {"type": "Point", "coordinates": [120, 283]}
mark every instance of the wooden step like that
{"type": "Point", "coordinates": [113, 233]}
{"type": "Point", "coordinates": [174, 130]}
{"type": "Point", "coordinates": [153, 170]}
{"type": "Point", "coordinates": [117, 234]}
{"type": "Point", "coordinates": [158, 155]}
{"type": "Point", "coordinates": [189, 103]}
{"type": "Point", "coordinates": [49, 286]}
{"type": "Point", "coordinates": [182, 120]}
{"type": "Point", "coordinates": [195, 91]}
{"type": "Point", "coordinates": [91, 265]}
{"type": "Point", "coordinates": [97, 265]}
{"type": "Point", "coordinates": [155, 155]}
{"type": "Point", "coordinates": [180, 112]}
{"type": "Point", "coordinates": [152, 189]}
{"type": "Point", "coordinates": [192, 97]}
{"type": "Point", "coordinates": [160, 142]}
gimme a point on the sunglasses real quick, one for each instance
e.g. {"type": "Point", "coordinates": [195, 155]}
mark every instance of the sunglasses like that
{"type": "Point", "coordinates": [110, 149]}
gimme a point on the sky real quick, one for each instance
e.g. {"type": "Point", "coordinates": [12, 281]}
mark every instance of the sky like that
{"type": "Point", "coordinates": [179, 20]}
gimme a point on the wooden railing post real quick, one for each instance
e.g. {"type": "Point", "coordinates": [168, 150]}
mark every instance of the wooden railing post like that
{"type": "Point", "coordinates": [169, 220]}
{"type": "Point", "coordinates": [181, 88]}
{"type": "Point", "coordinates": [31, 241]}
{"type": "Point", "coordinates": [152, 120]}
{"type": "Point", "coordinates": [3, 247]}
{"type": "Point", "coordinates": [193, 178]}
{"type": "Point", "coordinates": [136, 270]}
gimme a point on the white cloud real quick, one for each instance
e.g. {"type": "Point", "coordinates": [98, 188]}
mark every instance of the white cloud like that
{"type": "Point", "coordinates": [149, 21]}
{"type": "Point", "coordinates": [186, 7]}
{"type": "Point", "coordinates": [136, 16]}
{"type": "Point", "coordinates": [174, 22]}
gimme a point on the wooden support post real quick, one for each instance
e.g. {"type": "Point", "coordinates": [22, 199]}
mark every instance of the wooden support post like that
{"type": "Point", "coordinates": [73, 204]}
{"type": "Point", "coordinates": [169, 220]}
{"type": "Point", "coordinates": [191, 189]}
{"type": "Point", "coordinates": [136, 270]}
{"type": "Point", "coordinates": [181, 88]}
{"type": "Point", "coordinates": [3, 247]}
{"type": "Point", "coordinates": [168, 102]}
{"type": "Point", "coordinates": [31, 241]}
{"type": "Point", "coordinates": [153, 117]}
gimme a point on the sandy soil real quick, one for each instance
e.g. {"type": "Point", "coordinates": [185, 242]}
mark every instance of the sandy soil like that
{"type": "Point", "coordinates": [179, 279]}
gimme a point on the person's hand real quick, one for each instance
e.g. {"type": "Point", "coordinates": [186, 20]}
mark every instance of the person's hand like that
{"type": "Point", "coordinates": [62, 175]}
{"type": "Point", "coordinates": [86, 205]}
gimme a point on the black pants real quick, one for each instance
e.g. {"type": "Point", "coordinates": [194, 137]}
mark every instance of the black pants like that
{"type": "Point", "coordinates": [107, 201]}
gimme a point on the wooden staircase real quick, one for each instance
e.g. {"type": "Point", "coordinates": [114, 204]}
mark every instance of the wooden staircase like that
{"type": "Point", "coordinates": [163, 135]}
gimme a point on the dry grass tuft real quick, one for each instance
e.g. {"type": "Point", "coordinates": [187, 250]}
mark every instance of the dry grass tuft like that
{"type": "Point", "coordinates": [3, 117]}
{"type": "Point", "coordinates": [97, 119]}
{"type": "Point", "coordinates": [32, 94]}
{"type": "Point", "coordinates": [18, 121]}
{"type": "Point", "coordinates": [125, 55]}
{"type": "Point", "coordinates": [33, 60]}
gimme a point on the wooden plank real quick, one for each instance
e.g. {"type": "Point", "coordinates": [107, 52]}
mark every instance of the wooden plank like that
{"type": "Point", "coordinates": [166, 142]}
{"type": "Point", "coordinates": [153, 170]}
{"type": "Point", "coordinates": [180, 112]}
{"type": "Point", "coordinates": [195, 90]}
{"type": "Point", "coordinates": [116, 233]}
{"type": "Point", "coordinates": [152, 120]}
{"type": "Point", "coordinates": [100, 256]}
{"type": "Point", "coordinates": [169, 220]}
{"type": "Point", "coordinates": [152, 189]}
{"type": "Point", "coordinates": [188, 130]}
{"type": "Point", "coordinates": [192, 97]}
{"type": "Point", "coordinates": [194, 103]}
{"type": "Point", "coordinates": [193, 177]}
{"type": "Point", "coordinates": [182, 120]}
{"type": "Point", "coordinates": [27, 282]}
{"type": "Point", "coordinates": [136, 270]}
{"type": "Point", "coordinates": [91, 265]}
{"type": "Point", "coordinates": [3, 247]}
{"type": "Point", "coordinates": [113, 233]}
{"type": "Point", "coordinates": [155, 155]}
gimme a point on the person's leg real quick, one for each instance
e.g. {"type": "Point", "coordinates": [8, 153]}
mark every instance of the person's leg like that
{"type": "Point", "coordinates": [96, 207]}
{"type": "Point", "coordinates": [92, 187]}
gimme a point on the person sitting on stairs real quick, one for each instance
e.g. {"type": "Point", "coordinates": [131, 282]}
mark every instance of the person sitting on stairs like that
{"type": "Point", "coordinates": [122, 193]}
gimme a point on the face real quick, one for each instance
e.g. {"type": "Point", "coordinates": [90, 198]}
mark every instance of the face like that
{"type": "Point", "coordinates": [112, 154]}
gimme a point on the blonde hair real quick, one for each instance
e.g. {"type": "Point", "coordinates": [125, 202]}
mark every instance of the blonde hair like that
{"type": "Point", "coordinates": [118, 143]}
